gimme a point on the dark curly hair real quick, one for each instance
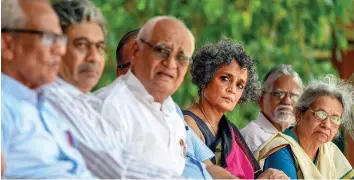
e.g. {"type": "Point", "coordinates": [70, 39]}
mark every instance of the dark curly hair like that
{"type": "Point", "coordinates": [208, 59]}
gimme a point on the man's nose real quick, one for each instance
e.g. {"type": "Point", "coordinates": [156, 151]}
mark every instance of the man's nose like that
{"type": "Point", "coordinates": [287, 99]}
{"type": "Point", "coordinates": [170, 61]}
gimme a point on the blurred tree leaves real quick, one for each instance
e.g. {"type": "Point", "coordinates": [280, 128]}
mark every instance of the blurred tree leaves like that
{"type": "Point", "coordinates": [272, 31]}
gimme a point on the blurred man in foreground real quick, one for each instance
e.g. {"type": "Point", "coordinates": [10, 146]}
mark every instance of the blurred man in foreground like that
{"type": "Point", "coordinates": [33, 139]}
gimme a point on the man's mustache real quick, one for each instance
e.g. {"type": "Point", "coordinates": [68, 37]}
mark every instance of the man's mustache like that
{"type": "Point", "coordinates": [282, 107]}
{"type": "Point", "coordinates": [89, 67]}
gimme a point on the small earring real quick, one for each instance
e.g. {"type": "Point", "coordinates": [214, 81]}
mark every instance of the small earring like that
{"type": "Point", "coordinates": [298, 119]}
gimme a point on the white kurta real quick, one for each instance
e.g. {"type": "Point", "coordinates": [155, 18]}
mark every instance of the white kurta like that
{"type": "Point", "coordinates": [258, 132]}
{"type": "Point", "coordinates": [96, 139]}
{"type": "Point", "coordinates": [149, 129]}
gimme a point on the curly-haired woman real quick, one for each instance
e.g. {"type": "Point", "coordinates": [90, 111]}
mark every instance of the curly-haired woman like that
{"type": "Point", "coordinates": [225, 76]}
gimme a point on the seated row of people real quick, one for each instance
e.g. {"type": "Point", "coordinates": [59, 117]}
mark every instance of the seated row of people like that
{"type": "Point", "coordinates": [53, 127]}
{"type": "Point", "coordinates": [280, 93]}
{"type": "Point", "coordinates": [55, 131]}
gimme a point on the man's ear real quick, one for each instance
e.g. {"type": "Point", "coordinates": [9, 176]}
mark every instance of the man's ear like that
{"type": "Point", "coordinates": [135, 50]}
{"type": "Point", "coordinates": [7, 47]}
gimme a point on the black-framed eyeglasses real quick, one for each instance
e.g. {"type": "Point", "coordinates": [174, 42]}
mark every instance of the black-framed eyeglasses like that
{"type": "Point", "coordinates": [281, 94]}
{"type": "Point", "coordinates": [322, 115]}
{"type": "Point", "coordinates": [123, 66]}
{"type": "Point", "coordinates": [47, 38]}
{"type": "Point", "coordinates": [164, 52]}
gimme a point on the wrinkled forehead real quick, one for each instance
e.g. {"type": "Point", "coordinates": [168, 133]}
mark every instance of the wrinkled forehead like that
{"type": "Point", "coordinates": [330, 104]}
{"type": "Point", "coordinates": [41, 16]}
{"type": "Point", "coordinates": [174, 35]}
{"type": "Point", "coordinates": [287, 83]}
{"type": "Point", "coordinates": [91, 31]}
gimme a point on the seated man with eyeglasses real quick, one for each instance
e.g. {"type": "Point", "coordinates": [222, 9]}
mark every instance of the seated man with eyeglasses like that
{"type": "Point", "coordinates": [139, 104]}
{"type": "Point", "coordinates": [282, 87]}
{"type": "Point", "coordinates": [34, 140]}
{"type": "Point", "coordinates": [197, 153]}
{"type": "Point", "coordinates": [124, 51]}
{"type": "Point", "coordinates": [140, 107]}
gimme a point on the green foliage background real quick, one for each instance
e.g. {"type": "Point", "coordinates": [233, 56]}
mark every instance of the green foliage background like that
{"type": "Point", "coordinates": [272, 31]}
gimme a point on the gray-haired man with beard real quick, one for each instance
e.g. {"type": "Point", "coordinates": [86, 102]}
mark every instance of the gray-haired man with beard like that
{"type": "Point", "coordinates": [282, 87]}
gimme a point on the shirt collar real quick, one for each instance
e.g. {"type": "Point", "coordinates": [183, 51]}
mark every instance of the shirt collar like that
{"type": "Point", "coordinates": [264, 123]}
{"type": "Point", "coordinates": [67, 87]}
{"type": "Point", "coordinates": [74, 92]}
{"type": "Point", "coordinates": [138, 89]}
{"type": "Point", "coordinates": [11, 86]}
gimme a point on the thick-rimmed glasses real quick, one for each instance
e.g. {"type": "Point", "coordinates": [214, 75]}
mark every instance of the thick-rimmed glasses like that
{"type": "Point", "coordinates": [164, 52]}
{"type": "Point", "coordinates": [322, 115]}
{"type": "Point", "coordinates": [281, 94]}
{"type": "Point", "coordinates": [47, 38]}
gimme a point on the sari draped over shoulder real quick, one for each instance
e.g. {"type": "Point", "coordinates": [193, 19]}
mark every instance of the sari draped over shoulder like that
{"type": "Point", "coordinates": [331, 163]}
{"type": "Point", "coordinates": [231, 150]}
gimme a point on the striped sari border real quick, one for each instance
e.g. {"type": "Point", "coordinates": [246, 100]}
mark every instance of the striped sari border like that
{"type": "Point", "coordinates": [348, 175]}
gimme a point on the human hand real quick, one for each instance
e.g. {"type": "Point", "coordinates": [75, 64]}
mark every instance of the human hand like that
{"type": "Point", "coordinates": [273, 174]}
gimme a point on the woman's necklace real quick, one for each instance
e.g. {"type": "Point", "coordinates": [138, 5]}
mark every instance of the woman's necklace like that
{"type": "Point", "coordinates": [202, 110]}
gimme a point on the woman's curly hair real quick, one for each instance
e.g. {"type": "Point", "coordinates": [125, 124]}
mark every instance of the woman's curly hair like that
{"type": "Point", "coordinates": [208, 59]}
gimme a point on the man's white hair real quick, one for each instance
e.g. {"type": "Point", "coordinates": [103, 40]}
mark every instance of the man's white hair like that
{"type": "Point", "coordinates": [12, 14]}
{"type": "Point", "coordinates": [276, 72]}
{"type": "Point", "coordinates": [146, 31]}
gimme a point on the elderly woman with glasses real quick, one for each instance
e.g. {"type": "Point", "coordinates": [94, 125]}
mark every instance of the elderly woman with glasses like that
{"type": "Point", "coordinates": [305, 151]}
{"type": "Point", "coordinates": [225, 76]}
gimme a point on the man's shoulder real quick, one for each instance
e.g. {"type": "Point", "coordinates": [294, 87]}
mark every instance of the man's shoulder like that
{"type": "Point", "coordinates": [114, 90]}
{"type": "Point", "coordinates": [9, 109]}
{"type": "Point", "coordinates": [250, 129]}
{"type": "Point", "coordinates": [117, 103]}
{"type": "Point", "coordinates": [196, 148]}
{"type": "Point", "coordinates": [55, 92]}
{"type": "Point", "coordinates": [14, 109]}
{"type": "Point", "coordinates": [253, 133]}
{"type": "Point", "coordinates": [8, 99]}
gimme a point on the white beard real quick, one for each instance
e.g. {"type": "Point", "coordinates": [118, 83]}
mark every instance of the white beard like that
{"type": "Point", "coordinates": [284, 114]}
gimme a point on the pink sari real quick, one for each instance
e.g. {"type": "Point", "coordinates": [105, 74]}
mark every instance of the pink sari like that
{"type": "Point", "coordinates": [237, 162]}
{"type": "Point", "coordinates": [231, 150]}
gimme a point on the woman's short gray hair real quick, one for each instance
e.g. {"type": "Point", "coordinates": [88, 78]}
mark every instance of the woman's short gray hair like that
{"type": "Point", "coordinates": [208, 59]}
{"type": "Point", "coordinates": [78, 11]}
{"type": "Point", "coordinates": [278, 71]}
{"type": "Point", "coordinates": [12, 14]}
{"type": "Point", "coordinates": [333, 87]}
